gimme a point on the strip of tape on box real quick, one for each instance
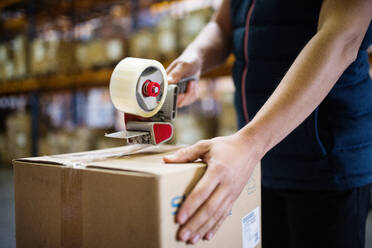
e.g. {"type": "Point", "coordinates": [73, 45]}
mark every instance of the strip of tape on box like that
{"type": "Point", "coordinates": [81, 159]}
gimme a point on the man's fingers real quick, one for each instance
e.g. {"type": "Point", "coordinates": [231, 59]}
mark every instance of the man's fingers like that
{"type": "Point", "coordinates": [210, 212]}
{"type": "Point", "coordinates": [210, 234]}
{"type": "Point", "coordinates": [222, 210]}
{"type": "Point", "coordinates": [176, 71]}
{"type": "Point", "coordinates": [180, 98]}
{"type": "Point", "coordinates": [197, 197]}
{"type": "Point", "coordinates": [191, 94]}
{"type": "Point", "coordinates": [188, 154]}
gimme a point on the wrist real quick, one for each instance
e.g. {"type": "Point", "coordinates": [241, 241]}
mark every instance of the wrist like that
{"type": "Point", "coordinates": [252, 139]}
{"type": "Point", "coordinates": [196, 52]}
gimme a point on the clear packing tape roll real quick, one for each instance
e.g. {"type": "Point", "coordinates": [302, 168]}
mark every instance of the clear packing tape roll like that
{"type": "Point", "coordinates": [127, 82]}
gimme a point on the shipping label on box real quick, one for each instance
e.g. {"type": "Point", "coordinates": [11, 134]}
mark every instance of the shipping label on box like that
{"type": "Point", "coordinates": [119, 197]}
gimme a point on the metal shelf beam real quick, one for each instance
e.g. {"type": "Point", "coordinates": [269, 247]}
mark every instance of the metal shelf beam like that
{"type": "Point", "coordinates": [85, 79]}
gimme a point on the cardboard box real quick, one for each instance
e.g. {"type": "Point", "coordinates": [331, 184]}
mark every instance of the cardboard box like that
{"type": "Point", "coordinates": [13, 59]}
{"type": "Point", "coordinates": [115, 50]}
{"type": "Point", "coordinates": [66, 56]}
{"type": "Point", "coordinates": [142, 44]}
{"type": "Point", "coordinates": [192, 24]}
{"type": "Point", "coordinates": [166, 39]}
{"type": "Point", "coordinates": [39, 57]}
{"type": "Point", "coordinates": [18, 46]}
{"type": "Point", "coordinates": [6, 64]}
{"type": "Point", "coordinates": [107, 198]}
{"type": "Point", "coordinates": [99, 53]}
{"type": "Point", "coordinates": [52, 56]}
{"type": "Point", "coordinates": [91, 54]}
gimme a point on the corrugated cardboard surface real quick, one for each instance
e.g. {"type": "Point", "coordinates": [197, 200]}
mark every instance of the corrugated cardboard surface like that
{"type": "Point", "coordinates": [107, 198]}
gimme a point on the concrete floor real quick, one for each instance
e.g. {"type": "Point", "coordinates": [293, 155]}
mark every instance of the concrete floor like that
{"type": "Point", "coordinates": [7, 226]}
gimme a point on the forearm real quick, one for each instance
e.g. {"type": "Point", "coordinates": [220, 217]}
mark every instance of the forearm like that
{"type": "Point", "coordinates": [305, 85]}
{"type": "Point", "coordinates": [213, 44]}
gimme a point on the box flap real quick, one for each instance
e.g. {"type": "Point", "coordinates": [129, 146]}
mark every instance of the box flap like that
{"type": "Point", "coordinates": [138, 158]}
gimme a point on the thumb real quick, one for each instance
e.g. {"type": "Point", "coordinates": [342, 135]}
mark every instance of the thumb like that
{"type": "Point", "coordinates": [188, 154]}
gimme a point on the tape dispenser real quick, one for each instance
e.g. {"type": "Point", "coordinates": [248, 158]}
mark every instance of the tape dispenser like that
{"type": "Point", "coordinates": [139, 88]}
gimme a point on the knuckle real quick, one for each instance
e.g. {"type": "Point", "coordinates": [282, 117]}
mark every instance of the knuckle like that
{"type": "Point", "coordinates": [185, 63]}
{"type": "Point", "coordinates": [193, 201]}
{"type": "Point", "coordinates": [194, 226]}
{"type": "Point", "coordinates": [228, 181]}
{"type": "Point", "coordinates": [210, 210]}
{"type": "Point", "coordinates": [197, 195]}
{"type": "Point", "coordinates": [185, 153]}
{"type": "Point", "coordinates": [191, 226]}
{"type": "Point", "coordinates": [219, 213]}
{"type": "Point", "coordinates": [192, 198]}
{"type": "Point", "coordinates": [185, 208]}
{"type": "Point", "coordinates": [219, 171]}
{"type": "Point", "coordinates": [213, 220]}
{"type": "Point", "coordinates": [203, 143]}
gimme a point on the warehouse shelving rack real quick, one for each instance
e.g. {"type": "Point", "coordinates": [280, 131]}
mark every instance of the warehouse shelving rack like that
{"type": "Point", "coordinates": [83, 79]}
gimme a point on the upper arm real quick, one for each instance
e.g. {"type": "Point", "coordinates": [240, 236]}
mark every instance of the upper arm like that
{"type": "Point", "coordinates": [345, 20]}
{"type": "Point", "coordinates": [223, 18]}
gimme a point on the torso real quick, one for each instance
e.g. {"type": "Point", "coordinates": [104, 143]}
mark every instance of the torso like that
{"type": "Point", "coordinates": [332, 148]}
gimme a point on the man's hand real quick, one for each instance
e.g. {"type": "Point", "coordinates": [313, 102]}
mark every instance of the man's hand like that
{"type": "Point", "coordinates": [188, 64]}
{"type": "Point", "coordinates": [230, 160]}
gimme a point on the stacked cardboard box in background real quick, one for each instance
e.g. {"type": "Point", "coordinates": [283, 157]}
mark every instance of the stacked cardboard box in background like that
{"type": "Point", "coordinates": [142, 44]}
{"type": "Point", "coordinates": [66, 56]}
{"type": "Point", "coordinates": [166, 39]}
{"type": "Point", "coordinates": [18, 48]}
{"type": "Point", "coordinates": [43, 56]}
{"type": "Point", "coordinates": [99, 53]}
{"type": "Point", "coordinates": [52, 56]}
{"type": "Point", "coordinates": [18, 135]}
{"type": "Point", "coordinates": [5, 63]}
{"type": "Point", "coordinates": [13, 59]}
{"type": "Point", "coordinates": [192, 24]}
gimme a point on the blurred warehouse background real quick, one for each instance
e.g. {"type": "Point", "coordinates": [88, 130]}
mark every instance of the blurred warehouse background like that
{"type": "Point", "coordinates": [56, 58]}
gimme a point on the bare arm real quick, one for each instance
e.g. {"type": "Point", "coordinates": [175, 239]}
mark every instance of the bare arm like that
{"type": "Point", "coordinates": [341, 29]}
{"type": "Point", "coordinates": [214, 42]}
{"type": "Point", "coordinates": [209, 50]}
